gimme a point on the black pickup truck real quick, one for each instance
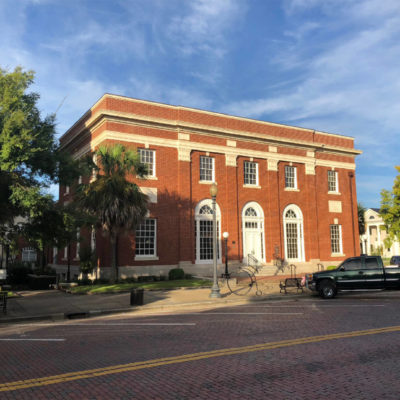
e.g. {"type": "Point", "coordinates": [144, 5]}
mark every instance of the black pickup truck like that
{"type": "Point", "coordinates": [355, 273]}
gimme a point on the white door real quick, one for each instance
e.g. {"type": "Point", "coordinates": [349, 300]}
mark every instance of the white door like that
{"type": "Point", "coordinates": [253, 244]}
{"type": "Point", "coordinates": [253, 231]}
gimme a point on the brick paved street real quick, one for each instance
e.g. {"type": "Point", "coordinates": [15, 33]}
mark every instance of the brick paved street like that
{"type": "Point", "coordinates": [156, 357]}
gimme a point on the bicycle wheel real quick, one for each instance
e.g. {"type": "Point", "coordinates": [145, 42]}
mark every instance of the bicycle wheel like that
{"type": "Point", "coordinates": [241, 283]}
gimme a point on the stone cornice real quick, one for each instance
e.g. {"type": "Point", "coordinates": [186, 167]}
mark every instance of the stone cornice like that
{"type": "Point", "coordinates": [181, 126]}
{"type": "Point", "coordinates": [185, 148]}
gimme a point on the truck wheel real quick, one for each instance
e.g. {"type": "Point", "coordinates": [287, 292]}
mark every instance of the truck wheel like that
{"type": "Point", "coordinates": [327, 290]}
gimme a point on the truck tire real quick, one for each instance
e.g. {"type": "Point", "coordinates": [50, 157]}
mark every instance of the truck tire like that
{"type": "Point", "coordinates": [327, 289]}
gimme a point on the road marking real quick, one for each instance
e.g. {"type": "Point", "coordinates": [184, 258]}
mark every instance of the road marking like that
{"type": "Point", "coordinates": [249, 313]}
{"type": "Point", "coordinates": [317, 304]}
{"type": "Point", "coordinates": [116, 369]}
{"type": "Point", "coordinates": [30, 340]}
{"type": "Point", "coordinates": [114, 324]}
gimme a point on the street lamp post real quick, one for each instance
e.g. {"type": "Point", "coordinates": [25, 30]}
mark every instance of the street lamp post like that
{"type": "Point", "coordinates": [225, 235]}
{"type": "Point", "coordinates": [215, 288]}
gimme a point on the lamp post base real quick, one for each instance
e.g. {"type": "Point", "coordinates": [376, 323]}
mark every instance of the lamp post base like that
{"type": "Point", "coordinates": [215, 292]}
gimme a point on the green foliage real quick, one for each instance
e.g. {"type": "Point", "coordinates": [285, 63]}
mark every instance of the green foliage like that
{"type": "Point", "coordinates": [117, 204]}
{"type": "Point", "coordinates": [377, 251]}
{"type": "Point", "coordinates": [29, 154]}
{"type": "Point", "coordinates": [125, 287]}
{"type": "Point", "coordinates": [361, 218]}
{"type": "Point", "coordinates": [175, 274]}
{"type": "Point", "coordinates": [390, 211]}
{"type": "Point", "coordinates": [331, 267]}
{"type": "Point", "coordinates": [87, 259]}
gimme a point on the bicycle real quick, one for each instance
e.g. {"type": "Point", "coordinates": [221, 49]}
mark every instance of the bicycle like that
{"type": "Point", "coordinates": [242, 281]}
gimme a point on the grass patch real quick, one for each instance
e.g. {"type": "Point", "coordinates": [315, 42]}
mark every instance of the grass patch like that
{"type": "Point", "coordinates": [125, 287]}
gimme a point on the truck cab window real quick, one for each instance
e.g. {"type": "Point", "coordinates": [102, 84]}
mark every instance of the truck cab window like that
{"type": "Point", "coordinates": [351, 265]}
{"type": "Point", "coordinates": [371, 263]}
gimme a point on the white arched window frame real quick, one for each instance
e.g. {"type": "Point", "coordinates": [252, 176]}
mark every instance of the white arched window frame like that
{"type": "Point", "coordinates": [203, 232]}
{"type": "Point", "coordinates": [293, 233]}
{"type": "Point", "coordinates": [253, 231]}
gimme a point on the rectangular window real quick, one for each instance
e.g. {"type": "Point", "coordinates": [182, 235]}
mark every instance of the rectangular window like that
{"type": "Point", "coordinates": [290, 177]}
{"type": "Point", "coordinates": [146, 235]}
{"type": "Point", "coordinates": [207, 169]}
{"type": "Point", "coordinates": [148, 157]}
{"type": "Point", "coordinates": [336, 239]}
{"type": "Point", "coordinates": [250, 173]}
{"type": "Point", "coordinates": [332, 181]}
{"type": "Point", "coordinates": [66, 189]}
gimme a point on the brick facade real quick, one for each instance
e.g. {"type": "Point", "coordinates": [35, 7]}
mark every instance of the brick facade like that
{"type": "Point", "coordinates": [180, 136]}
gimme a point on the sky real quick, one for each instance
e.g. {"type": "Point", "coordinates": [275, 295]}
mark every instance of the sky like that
{"type": "Point", "coordinates": [331, 65]}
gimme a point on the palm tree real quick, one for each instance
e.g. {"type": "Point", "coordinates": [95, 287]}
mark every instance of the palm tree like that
{"type": "Point", "coordinates": [117, 203]}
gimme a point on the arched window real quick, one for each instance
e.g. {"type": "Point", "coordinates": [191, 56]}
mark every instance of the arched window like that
{"type": "Point", "coordinates": [293, 233]}
{"type": "Point", "coordinates": [253, 231]}
{"type": "Point", "coordinates": [204, 232]}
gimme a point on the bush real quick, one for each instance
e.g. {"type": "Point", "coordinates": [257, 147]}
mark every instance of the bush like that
{"type": "Point", "coordinates": [84, 282]}
{"type": "Point", "coordinates": [175, 274]}
{"type": "Point", "coordinates": [18, 274]}
{"type": "Point", "coordinates": [47, 270]}
{"type": "Point", "coordinates": [331, 267]}
{"type": "Point", "coordinates": [188, 276]}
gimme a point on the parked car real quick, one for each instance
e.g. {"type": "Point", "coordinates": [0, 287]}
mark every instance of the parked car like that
{"type": "Point", "coordinates": [395, 260]}
{"type": "Point", "coordinates": [355, 273]}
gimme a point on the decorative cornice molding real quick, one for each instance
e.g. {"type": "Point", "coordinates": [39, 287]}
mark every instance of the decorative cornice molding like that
{"type": "Point", "coordinates": [140, 120]}
{"type": "Point", "coordinates": [185, 148]}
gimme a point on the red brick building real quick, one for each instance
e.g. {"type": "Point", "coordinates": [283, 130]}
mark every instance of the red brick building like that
{"type": "Point", "coordinates": [281, 189]}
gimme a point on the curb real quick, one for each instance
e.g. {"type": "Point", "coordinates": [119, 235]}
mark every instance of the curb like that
{"type": "Point", "coordinates": [146, 307]}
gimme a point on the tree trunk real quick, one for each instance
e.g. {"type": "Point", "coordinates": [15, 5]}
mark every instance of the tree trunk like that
{"type": "Point", "coordinates": [69, 262]}
{"type": "Point", "coordinates": [114, 268]}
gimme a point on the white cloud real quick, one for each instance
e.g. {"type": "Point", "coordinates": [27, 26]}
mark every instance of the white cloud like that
{"type": "Point", "coordinates": [203, 29]}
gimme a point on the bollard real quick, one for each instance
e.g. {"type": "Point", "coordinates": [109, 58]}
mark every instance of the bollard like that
{"type": "Point", "coordinates": [137, 296]}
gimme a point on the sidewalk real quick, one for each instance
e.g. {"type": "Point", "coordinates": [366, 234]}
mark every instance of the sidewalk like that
{"type": "Point", "coordinates": [58, 305]}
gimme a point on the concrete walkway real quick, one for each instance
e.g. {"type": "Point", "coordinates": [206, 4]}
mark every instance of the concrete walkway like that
{"type": "Point", "coordinates": [57, 305]}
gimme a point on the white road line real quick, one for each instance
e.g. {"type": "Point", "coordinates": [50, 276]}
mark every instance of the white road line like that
{"type": "Point", "coordinates": [114, 324]}
{"type": "Point", "coordinates": [30, 340]}
{"type": "Point", "coordinates": [319, 305]}
{"type": "Point", "coordinates": [247, 313]}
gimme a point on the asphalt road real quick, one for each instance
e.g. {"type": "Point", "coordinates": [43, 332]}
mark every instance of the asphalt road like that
{"type": "Point", "coordinates": [346, 348]}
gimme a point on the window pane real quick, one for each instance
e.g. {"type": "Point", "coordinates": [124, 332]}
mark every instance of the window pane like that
{"type": "Point", "coordinates": [250, 173]}
{"type": "Point", "coordinates": [336, 238]}
{"type": "Point", "coordinates": [290, 176]}
{"type": "Point", "coordinates": [146, 238]}
{"type": "Point", "coordinates": [332, 181]}
{"type": "Point", "coordinates": [291, 240]}
{"type": "Point", "coordinates": [147, 157]}
{"type": "Point", "coordinates": [206, 168]}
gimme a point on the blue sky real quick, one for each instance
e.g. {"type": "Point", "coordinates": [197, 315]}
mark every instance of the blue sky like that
{"type": "Point", "coordinates": [331, 65]}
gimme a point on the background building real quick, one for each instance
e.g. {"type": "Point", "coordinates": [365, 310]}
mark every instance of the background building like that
{"type": "Point", "coordinates": [372, 241]}
{"type": "Point", "coordinates": [282, 191]}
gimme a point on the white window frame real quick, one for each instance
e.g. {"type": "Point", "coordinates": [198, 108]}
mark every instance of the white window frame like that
{"type": "Point", "coordinates": [202, 217]}
{"type": "Point", "coordinates": [339, 244]}
{"type": "Point", "coordinates": [28, 254]}
{"type": "Point", "coordinates": [259, 222]}
{"type": "Point", "coordinates": [150, 256]}
{"type": "Point", "coordinates": [336, 183]}
{"type": "Point", "coordinates": [247, 165]}
{"type": "Point", "coordinates": [143, 153]}
{"type": "Point", "coordinates": [300, 231]}
{"type": "Point", "coordinates": [212, 159]}
{"type": "Point", "coordinates": [78, 245]}
{"type": "Point", "coordinates": [287, 177]}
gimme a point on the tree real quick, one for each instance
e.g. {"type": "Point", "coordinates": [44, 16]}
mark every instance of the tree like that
{"type": "Point", "coordinates": [390, 211]}
{"type": "Point", "coordinates": [117, 203]}
{"type": "Point", "coordinates": [361, 218]}
{"type": "Point", "coordinates": [30, 158]}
